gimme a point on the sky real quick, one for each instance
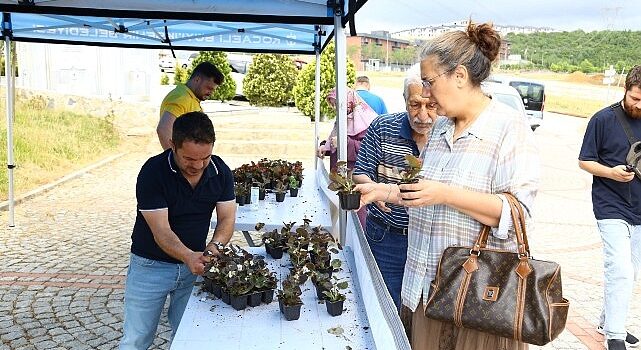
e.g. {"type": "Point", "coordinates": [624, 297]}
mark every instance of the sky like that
{"type": "Point", "coordinates": [568, 15]}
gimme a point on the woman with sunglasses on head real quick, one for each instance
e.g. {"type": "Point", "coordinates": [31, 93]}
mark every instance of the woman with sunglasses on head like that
{"type": "Point", "coordinates": [482, 149]}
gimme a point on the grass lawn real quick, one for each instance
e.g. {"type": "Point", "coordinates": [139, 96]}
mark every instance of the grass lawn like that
{"type": "Point", "coordinates": [49, 144]}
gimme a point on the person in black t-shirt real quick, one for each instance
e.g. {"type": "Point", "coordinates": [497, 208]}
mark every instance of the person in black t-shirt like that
{"type": "Point", "coordinates": [616, 201]}
{"type": "Point", "coordinates": [176, 191]}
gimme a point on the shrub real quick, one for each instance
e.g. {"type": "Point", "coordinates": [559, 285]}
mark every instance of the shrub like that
{"type": "Point", "coordinates": [180, 75]}
{"type": "Point", "coordinates": [304, 88]}
{"type": "Point", "coordinates": [270, 80]}
{"type": "Point", "coordinates": [227, 90]}
{"type": "Point", "coordinates": [164, 79]}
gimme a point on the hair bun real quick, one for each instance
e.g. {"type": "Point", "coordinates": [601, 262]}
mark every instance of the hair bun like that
{"type": "Point", "coordinates": [485, 38]}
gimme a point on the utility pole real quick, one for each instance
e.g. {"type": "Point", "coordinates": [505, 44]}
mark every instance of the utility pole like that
{"type": "Point", "coordinates": [387, 50]}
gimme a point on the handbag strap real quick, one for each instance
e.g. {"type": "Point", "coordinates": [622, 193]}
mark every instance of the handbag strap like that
{"type": "Point", "coordinates": [518, 220]}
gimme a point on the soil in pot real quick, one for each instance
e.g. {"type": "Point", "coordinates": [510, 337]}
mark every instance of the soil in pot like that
{"type": "Point", "coordinates": [349, 201]}
{"type": "Point", "coordinates": [334, 308]}
{"type": "Point", "coordinates": [268, 296]}
{"type": "Point", "coordinates": [255, 299]}
{"type": "Point", "coordinates": [280, 197]}
{"type": "Point", "coordinates": [293, 192]}
{"type": "Point", "coordinates": [238, 302]}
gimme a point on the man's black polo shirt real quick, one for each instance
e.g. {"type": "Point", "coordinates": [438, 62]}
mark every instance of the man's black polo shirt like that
{"type": "Point", "coordinates": [160, 185]}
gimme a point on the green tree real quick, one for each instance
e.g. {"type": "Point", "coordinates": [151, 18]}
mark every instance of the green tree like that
{"type": "Point", "coordinates": [304, 88]}
{"type": "Point", "coordinates": [180, 75]}
{"type": "Point", "coordinates": [164, 79]}
{"type": "Point", "coordinates": [270, 80]}
{"type": "Point", "coordinates": [227, 90]}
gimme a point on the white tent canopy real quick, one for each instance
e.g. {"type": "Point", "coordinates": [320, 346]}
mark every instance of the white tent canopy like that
{"type": "Point", "coordinates": [280, 26]}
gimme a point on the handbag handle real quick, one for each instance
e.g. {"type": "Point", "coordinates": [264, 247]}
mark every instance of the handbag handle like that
{"type": "Point", "coordinates": [518, 219]}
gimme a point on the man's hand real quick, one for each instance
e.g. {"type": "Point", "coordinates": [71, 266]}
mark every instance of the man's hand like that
{"type": "Point", "coordinates": [196, 261]}
{"type": "Point", "coordinates": [619, 173]}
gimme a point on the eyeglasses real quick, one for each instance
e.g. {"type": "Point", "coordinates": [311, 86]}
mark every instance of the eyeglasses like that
{"type": "Point", "coordinates": [427, 83]}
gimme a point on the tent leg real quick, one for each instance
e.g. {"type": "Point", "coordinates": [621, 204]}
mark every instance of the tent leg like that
{"type": "Point", "coordinates": [9, 76]}
{"type": "Point", "coordinates": [316, 106]}
{"type": "Point", "coordinates": [341, 103]}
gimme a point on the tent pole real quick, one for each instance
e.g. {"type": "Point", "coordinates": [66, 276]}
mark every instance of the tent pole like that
{"type": "Point", "coordinates": [9, 76]}
{"type": "Point", "coordinates": [316, 105]}
{"type": "Point", "coordinates": [341, 102]}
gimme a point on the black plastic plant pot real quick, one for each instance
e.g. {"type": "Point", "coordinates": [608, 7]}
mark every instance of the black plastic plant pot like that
{"type": "Point", "coordinates": [291, 312]}
{"type": "Point", "coordinates": [240, 200]}
{"type": "Point", "coordinates": [255, 299]}
{"type": "Point", "coordinates": [238, 302]}
{"type": "Point", "coordinates": [268, 249]}
{"type": "Point", "coordinates": [216, 289]}
{"type": "Point", "coordinates": [293, 192]}
{"type": "Point", "coordinates": [224, 295]}
{"type": "Point", "coordinates": [334, 308]}
{"type": "Point", "coordinates": [276, 252]}
{"type": "Point", "coordinates": [349, 201]}
{"type": "Point", "coordinates": [261, 194]}
{"type": "Point", "coordinates": [319, 292]}
{"type": "Point", "coordinates": [280, 197]}
{"type": "Point", "coordinates": [413, 181]}
{"type": "Point", "coordinates": [268, 296]}
{"type": "Point", "coordinates": [248, 198]}
{"type": "Point", "coordinates": [207, 284]}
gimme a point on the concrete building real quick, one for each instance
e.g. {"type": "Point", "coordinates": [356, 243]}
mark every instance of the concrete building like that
{"type": "Point", "coordinates": [382, 39]}
{"type": "Point", "coordinates": [430, 31]}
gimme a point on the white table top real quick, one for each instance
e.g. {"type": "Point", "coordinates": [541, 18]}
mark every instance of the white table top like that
{"type": "Point", "coordinates": [210, 324]}
{"type": "Point", "coordinates": [310, 203]}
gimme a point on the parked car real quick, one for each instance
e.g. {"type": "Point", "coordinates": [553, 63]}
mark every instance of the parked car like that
{"type": "Point", "coordinates": [239, 66]}
{"type": "Point", "coordinates": [532, 93]}
{"type": "Point", "coordinates": [509, 96]}
{"type": "Point", "coordinates": [168, 63]}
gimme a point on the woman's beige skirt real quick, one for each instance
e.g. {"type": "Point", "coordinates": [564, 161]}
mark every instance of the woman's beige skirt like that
{"type": "Point", "coordinates": [428, 334]}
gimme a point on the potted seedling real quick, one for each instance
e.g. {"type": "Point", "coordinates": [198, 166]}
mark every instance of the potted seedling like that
{"type": "Point", "coordinates": [342, 182]}
{"type": "Point", "coordinates": [322, 282]}
{"type": "Point", "coordinates": [241, 193]}
{"type": "Point", "coordinates": [289, 298]}
{"type": "Point", "coordinates": [280, 190]}
{"type": "Point", "coordinates": [293, 186]}
{"type": "Point", "coordinates": [274, 240]}
{"type": "Point", "coordinates": [262, 281]}
{"type": "Point", "coordinates": [334, 299]}
{"type": "Point", "coordinates": [409, 175]}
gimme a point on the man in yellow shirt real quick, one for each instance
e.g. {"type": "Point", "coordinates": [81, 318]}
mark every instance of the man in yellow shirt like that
{"type": "Point", "coordinates": [186, 98]}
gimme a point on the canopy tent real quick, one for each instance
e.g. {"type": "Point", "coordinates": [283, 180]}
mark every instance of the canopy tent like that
{"type": "Point", "coordinates": [281, 26]}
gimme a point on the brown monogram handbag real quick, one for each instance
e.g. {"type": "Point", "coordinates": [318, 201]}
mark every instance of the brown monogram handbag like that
{"type": "Point", "coordinates": [500, 292]}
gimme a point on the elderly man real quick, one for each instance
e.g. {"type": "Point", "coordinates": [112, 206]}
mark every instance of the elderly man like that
{"type": "Point", "coordinates": [389, 138]}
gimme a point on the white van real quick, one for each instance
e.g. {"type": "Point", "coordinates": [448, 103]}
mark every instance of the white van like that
{"type": "Point", "coordinates": [509, 96]}
{"type": "Point", "coordinates": [532, 93]}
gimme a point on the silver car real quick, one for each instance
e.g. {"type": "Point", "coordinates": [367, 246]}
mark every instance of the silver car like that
{"type": "Point", "coordinates": [510, 97]}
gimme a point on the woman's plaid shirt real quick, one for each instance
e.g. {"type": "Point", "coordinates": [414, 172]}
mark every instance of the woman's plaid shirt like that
{"type": "Point", "coordinates": [496, 154]}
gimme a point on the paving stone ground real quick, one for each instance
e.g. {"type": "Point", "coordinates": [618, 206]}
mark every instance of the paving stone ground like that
{"type": "Point", "coordinates": [64, 264]}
